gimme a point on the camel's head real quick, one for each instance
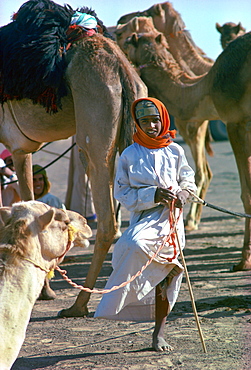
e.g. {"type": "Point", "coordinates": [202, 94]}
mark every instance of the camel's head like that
{"type": "Point", "coordinates": [229, 32]}
{"type": "Point", "coordinates": [135, 25]}
{"type": "Point", "coordinates": [41, 233]}
{"type": "Point", "coordinates": [143, 48]}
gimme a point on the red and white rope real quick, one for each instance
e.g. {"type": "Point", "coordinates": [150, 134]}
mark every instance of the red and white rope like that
{"type": "Point", "coordinates": [173, 224]}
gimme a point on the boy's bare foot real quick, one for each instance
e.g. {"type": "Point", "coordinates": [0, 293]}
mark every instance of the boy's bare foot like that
{"type": "Point", "coordinates": [159, 344]}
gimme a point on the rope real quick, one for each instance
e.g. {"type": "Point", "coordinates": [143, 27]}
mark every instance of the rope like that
{"type": "Point", "coordinates": [48, 165]}
{"type": "Point", "coordinates": [217, 208]}
{"type": "Point", "coordinates": [173, 224]}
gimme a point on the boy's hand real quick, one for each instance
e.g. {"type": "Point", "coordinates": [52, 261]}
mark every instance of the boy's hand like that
{"type": "Point", "coordinates": [164, 196]}
{"type": "Point", "coordinates": [181, 198]}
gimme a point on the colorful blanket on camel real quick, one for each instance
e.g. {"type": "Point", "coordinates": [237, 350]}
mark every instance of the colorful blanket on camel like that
{"type": "Point", "coordinates": [33, 48]}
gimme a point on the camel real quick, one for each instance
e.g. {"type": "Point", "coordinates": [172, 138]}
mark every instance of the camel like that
{"type": "Point", "coordinates": [136, 24]}
{"type": "Point", "coordinates": [223, 93]}
{"type": "Point", "coordinates": [34, 238]}
{"type": "Point", "coordinates": [229, 31]}
{"type": "Point", "coordinates": [168, 21]}
{"type": "Point", "coordinates": [101, 86]}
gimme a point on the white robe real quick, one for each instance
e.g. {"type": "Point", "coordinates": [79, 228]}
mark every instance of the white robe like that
{"type": "Point", "coordinates": [140, 171]}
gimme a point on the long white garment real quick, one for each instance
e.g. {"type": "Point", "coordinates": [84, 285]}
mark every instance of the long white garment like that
{"type": "Point", "coordinates": [140, 171]}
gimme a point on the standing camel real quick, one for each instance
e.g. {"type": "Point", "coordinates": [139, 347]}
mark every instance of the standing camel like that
{"type": "Point", "coordinates": [229, 32]}
{"type": "Point", "coordinates": [223, 93]}
{"type": "Point", "coordinates": [101, 86]}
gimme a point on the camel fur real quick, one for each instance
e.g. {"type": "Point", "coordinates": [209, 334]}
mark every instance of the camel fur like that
{"type": "Point", "coordinates": [33, 239]}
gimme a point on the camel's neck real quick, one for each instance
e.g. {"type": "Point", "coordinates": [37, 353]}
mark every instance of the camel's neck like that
{"type": "Point", "coordinates": [184, 101]}
{"type": "Point", "coordinates": [187, 55]}
{"type": "Point", "coordinates": [19, 289]}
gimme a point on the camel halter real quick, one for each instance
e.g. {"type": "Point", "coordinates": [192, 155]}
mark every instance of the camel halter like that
{"type": "Point", "coordinates": [50, 273]}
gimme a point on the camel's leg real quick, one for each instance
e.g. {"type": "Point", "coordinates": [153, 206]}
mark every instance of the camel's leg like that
{"type": "Point", "coordinates": [240, 139]}
{"type": "Point", "coordinates": [23, 167]}
{"type": "Point", "coordinates": [194, 135]}
{"type": "Point", "coordinates": [101, 177]}
{"type": "Point", "coordinates": [1, 201]}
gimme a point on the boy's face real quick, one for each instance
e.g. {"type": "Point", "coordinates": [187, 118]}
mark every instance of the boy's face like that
{"type": "Point", "coordinates": [151, 125]}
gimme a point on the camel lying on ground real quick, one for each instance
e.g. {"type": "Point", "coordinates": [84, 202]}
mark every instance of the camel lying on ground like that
{"type": "Point", "coordinates": [223, 93]}
{"type": "Point", "coordinates": [101, 86]}
{"type": "Point", "coordinates": [34, 238]}
{"type": "Point", "coordinates": [229, 32]}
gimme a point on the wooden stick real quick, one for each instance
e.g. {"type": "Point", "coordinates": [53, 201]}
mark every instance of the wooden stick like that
{"type": "Point", "coordinates": [190, 291]}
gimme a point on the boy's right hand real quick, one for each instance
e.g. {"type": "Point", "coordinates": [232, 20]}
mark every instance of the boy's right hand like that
{"type": "Point", "coordinates": [164, 196]}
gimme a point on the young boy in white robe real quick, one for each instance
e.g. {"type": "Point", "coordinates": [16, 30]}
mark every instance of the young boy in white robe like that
{"type": "Point", "coordinates": [152, 176]}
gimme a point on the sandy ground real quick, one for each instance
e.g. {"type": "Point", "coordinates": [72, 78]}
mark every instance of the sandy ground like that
{"type": "Point", "coordinates": [222, 297]}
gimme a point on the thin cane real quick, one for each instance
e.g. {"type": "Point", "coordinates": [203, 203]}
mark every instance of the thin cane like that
{"type": "Point", "coordinates": [190, 290]}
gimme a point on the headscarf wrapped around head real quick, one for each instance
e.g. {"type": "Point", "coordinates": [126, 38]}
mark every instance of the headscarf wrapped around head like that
{"type": "Point", "coordinates": [37, 169]}
{"type": "Point", "coordinates": [164, 138]}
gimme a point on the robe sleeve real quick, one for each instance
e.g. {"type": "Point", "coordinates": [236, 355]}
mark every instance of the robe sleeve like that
{"type": "Point", "coordinates": [185, 173]}
{"type": "Point", "coordinates": [132, 198]}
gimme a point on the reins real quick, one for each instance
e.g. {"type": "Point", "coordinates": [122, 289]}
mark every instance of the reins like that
{"type": "Point", "coordinates": [217, 208]}
{"type": "Point", "coordinates": [49, 164]}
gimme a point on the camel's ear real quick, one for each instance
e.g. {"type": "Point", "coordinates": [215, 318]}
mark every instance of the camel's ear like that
{"type": "Point", "coordinates": [45, 219]}
{"type": "Point", "coordinates": [135, 24]}
{"type": "Point", "coordinates": [118, 31]}
{"type": "Point", "coordinates": [5, 214]}
{"type": "Point", "coordinates": [158, 9]}
{"type": "Point", "coordinates": [134, 39]}
{"type": "Point", "coordinates": [218, 27]}
{"type": "Point", "coordinates": [160, 38]}
{"type": "Point", "coordinates": [239, 28]}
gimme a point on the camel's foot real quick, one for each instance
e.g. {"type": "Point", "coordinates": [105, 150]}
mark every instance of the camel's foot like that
{"type": "Point", "coordinates": [47, 294]}
{"type": "Point", "coordinates": [73, 311]}
{"type": "Point", "coordinates": [191, 225]}
{"type": "Point", "coordinates": [160, 345]}
{"type": "Point", "coordinates": [242, 266]}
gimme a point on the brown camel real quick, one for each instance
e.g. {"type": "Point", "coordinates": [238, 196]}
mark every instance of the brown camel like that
{"type": "Point", "coordinates": [223, 93]}
{"type": "Point", "coordinates": [101, 86]}
{"type": "Point", "coordinates": [229, 31]}
{"type": "Point", "coordinates": [168, 21]}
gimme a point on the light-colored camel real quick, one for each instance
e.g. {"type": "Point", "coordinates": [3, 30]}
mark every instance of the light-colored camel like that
{"type": "Point", "coordinates": [168, 21]}
{"type": "Point", "coordinates": [195, 134]}
{"type": "Point", "coordinates": [223, 93]}
{"type": "Point", "coordinates": [229, 32]}
{"type": "Point", "coordinates": [102, 85]}
{"type": "Point", "coordinates": [34, 238]}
